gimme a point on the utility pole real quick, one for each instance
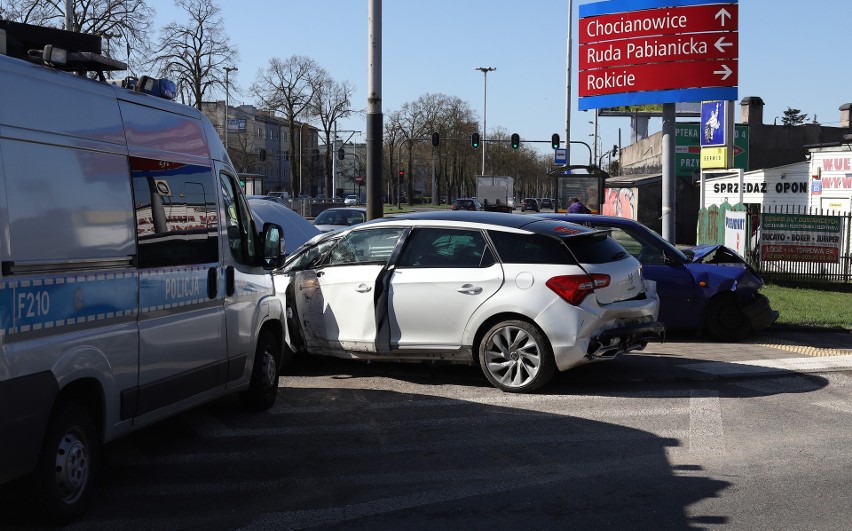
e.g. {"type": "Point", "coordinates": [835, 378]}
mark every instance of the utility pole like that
{"type": "Point", "coordinates": [375, 119]}
{"type": "Point", "coordinates": [568, 91]}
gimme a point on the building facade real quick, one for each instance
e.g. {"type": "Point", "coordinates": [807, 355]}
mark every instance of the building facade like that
{"type": "Point", "coordinates": [258, 143]}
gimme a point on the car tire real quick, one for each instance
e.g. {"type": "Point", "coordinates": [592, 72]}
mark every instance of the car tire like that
{"type": "Point", "coordinates": [516, 357]}
{"type": "Point", "coordinates": [263, 389]}
{"type": "Point", "coordinates": [64, 479]}
{"type": "Point", "coordinates": [724, 320]}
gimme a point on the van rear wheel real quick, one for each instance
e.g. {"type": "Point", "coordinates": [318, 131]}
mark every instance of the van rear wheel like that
{"type": "Point", "coordinates": [64, 479]}
{"type": "Point", "coordinates": [263, 389]}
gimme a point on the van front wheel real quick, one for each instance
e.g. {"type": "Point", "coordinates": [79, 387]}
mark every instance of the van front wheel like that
{"type": "Point", "coordinates": [263, 389]}
{"type": "Point", "coordinates": [70, 459]}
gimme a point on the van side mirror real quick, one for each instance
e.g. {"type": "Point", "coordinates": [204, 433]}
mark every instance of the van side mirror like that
{"type": "Point", "coordinates": [273, 245]}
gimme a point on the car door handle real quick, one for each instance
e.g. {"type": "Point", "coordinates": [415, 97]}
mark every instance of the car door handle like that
{"type": "Point", "coordinates": [363, 288]}
{"type": "Point", "coordinates": [470, 289]}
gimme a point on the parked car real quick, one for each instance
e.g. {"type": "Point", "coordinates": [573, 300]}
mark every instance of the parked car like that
{"type": "Point", "coordinates": [466, 203]}
{"type": "Point", "coordinates": [546, 202]}
{"type": "Point", "coordinates": [521, 296]}
{"type": "Point", "coordinates": [332, 219]}
{"type": "Point", "coordinates": [706, 288]}
{"type": "Point", "coordinates": [530, 203]}
{"type": "Point", "coordinates": [297, 230]}
{"type": "Point", "coordinates": [350, 200]}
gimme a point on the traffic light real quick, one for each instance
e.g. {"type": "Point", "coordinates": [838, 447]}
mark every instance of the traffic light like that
{"type": "Point", "coordinates": [554, 141]}
{"type": "Point", "coordinates": [401, 174]}
{"type": "Point", "coordinates": [614, 150]}
{"type": "Point", "coordinates": [474, 140]}
{"type": "Point", "coordinates": [341, 154]}
{"type": "Point", "coordinates": [436, 139]}
{"type": "Point", "coordinates": [516, 141]}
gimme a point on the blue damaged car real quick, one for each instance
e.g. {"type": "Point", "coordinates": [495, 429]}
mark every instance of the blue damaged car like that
{"type": "Point", "coordinates": [708, 289]}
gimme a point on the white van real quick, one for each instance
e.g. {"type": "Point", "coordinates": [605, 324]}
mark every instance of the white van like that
{"type": "Point", "coordinates": [134, 284]}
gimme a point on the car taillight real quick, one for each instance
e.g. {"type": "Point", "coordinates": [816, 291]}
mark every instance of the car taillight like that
{"type": "Point", "coordinates": [574, 288]}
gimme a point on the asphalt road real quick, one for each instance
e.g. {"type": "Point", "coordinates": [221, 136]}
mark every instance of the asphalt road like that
{"type": "Point", "coordinates": [351, 445]}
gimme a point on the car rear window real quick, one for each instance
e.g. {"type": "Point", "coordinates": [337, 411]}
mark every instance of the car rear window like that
{"type": "Point", "coordinates": [595, 248]}
{"type": "Point", "coordinates": [515, 248]}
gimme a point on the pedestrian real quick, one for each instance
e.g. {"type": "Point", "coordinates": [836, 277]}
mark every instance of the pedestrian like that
{"type": "Point", "coordinates": [577, 207]}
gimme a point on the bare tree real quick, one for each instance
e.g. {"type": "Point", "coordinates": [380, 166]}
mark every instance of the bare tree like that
{"type": "Point", "coordinates": [196, 53]}
{"type": "Point", "coordinates": [124, 24]}
{"type": "Point", "coordinates": [332, 101]}
{"type": "Point", "coordinates": [288, 86]}
{"type": "Point", "coordinates": [413, 123]}
{"type": "Point", "coordinates": [393, 138]}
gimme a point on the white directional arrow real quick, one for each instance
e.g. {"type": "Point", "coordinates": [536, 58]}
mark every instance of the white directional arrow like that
{"type": "Point", "coordinates": [721, 44]}
{"type": "Point", "coordinates": [725, 72]}
{"type": "Point", "coordinates": [721, 15]}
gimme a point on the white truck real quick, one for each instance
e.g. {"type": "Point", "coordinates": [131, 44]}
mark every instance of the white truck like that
{"type": "Point", "coordinates": [496, 193]}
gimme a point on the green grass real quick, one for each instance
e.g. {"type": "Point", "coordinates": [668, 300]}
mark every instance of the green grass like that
{"type": "Point", "coordinates": [829, 306]}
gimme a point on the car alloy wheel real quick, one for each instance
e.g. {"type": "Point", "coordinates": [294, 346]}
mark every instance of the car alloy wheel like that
{"type": "Point", "coordinates": [516, 357]}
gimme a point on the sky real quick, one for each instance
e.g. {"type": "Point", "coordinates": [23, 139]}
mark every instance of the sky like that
{"type": "Point", "coordinates": [791, 54]}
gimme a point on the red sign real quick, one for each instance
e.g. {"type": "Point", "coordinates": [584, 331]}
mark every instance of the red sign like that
{"type": "Point", "coordinates": [359, 179]}
{"type": "Point", "coordinates": [799, 253]}
{"type": "Point", "coordinates": [665, 21]}
{"type": "Point", "coordinates": [658, 76]}
{"type": "Point", "coordinates": [718, 45]}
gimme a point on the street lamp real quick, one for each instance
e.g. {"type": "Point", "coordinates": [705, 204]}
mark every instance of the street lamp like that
{"type": "Point", "coordinates": [301, 150]}
{"type": "Point", "coordinates": [228, 70]}
{"type": "Point", "coordinates": [484, 70]}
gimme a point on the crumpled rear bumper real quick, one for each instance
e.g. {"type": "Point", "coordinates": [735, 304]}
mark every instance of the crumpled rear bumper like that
{"type": "Point", "coordinates": [759, 313]}
{"type": "Point", "coordinates": [619, 340]}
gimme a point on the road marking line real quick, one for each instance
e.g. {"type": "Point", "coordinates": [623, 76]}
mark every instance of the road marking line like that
{"type": "Point", "coordinates": [755, 367]}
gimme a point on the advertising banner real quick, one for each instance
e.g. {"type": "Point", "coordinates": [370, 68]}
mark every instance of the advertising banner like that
{"type": "Point", "coordinates": [735, 231]}
{"type": "Point", "coordinates": [800, 238]}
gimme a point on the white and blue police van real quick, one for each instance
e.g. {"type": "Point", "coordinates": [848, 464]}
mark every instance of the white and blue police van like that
{"type": "Point", "coordinates": [134, 284]}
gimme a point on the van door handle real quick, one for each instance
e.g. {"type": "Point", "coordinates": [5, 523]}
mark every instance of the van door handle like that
{"type": "Point", "coordinates": [363, 288]}
{"type": "Point", "coordinates": [229, 281]}
{"type": "Point", "coordinates": [211, 283]}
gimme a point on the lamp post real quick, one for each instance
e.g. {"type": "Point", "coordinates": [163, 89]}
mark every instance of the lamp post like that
{"type": "Point", "coordinates": [301, 150]}
{"type": "Point", "coordinates": [484, 70]}
{"type": "Point", "coordinates": [228, 70]}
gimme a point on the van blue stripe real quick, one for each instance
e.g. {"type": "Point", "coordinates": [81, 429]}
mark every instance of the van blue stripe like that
{"type": "Point", "coordinates": [171, 288]}
{"type": "Point", "coordinates": [63, 300]}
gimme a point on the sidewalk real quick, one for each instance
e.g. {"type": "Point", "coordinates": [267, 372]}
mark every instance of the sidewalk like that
{"type": "Point", "coordinates": [777, 350]}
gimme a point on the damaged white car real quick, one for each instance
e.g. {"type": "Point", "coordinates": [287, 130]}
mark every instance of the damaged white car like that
{"type": "Point", "coordinates": [523, 297]}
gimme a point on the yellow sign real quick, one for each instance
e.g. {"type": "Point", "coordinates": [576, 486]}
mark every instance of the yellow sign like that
{"type": "Point", "coordinates": [714, 158]}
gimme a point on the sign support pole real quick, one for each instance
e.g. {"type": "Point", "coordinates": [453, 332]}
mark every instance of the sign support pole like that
{"type": "Point", "coordinates": [668, 192]}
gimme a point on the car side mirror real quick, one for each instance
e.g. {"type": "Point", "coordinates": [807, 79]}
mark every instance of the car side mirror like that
{"type": "Point", "coordinates": [273, 246]}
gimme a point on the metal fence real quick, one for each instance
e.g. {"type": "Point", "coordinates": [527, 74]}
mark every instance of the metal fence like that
{"type": "Point", "coordinates": [711, 230]}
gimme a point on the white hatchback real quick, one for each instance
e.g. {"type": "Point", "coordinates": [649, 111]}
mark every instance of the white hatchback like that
{"type": "Point", "coordinates": [521, 296]}
{"type": "Point", "coordinates": [350, 200]}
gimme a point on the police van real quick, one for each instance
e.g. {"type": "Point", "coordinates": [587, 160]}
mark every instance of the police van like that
{"type": "Point", "coordinates": [134, 284]}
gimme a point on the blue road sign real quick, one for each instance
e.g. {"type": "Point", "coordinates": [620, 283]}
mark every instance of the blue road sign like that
{"type": "Point", "coordinates": [713, 119]}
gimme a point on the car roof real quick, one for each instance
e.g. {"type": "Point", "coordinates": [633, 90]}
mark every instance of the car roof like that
{"type": "Point", "coordinates": [590, 218]}
{"type": "Point", "coordinates": [344, 209]}
{"type": "Point", "coordinates": [297, 230]}
{"type": "Point", "coordinates": [550, 227]}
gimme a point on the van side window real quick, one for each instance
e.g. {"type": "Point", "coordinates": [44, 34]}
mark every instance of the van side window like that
{"type": "Point", "coordinates": [241, 238]}
{"type": "Point", "coordinates": [175, 207]}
